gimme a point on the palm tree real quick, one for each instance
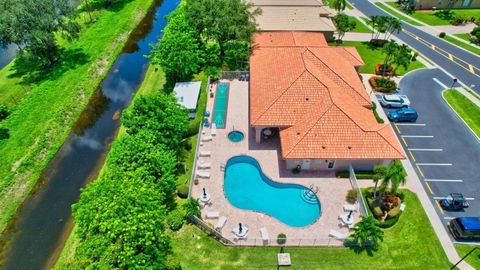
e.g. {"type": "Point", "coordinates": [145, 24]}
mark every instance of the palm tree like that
{"type": "Point", "coordinates": [394, 177]}
{"type": "Point", "coordinates": [379, 174]}
{"type": "Point", "coordinates": [367, 231]}
{"type": "Point", "coordinates": [394, 25]}
{"type": "Point", "coordinates": [403, 57]}
{"type": "Point", "coordinates": [338, 5]}
{"type": "Point", "coordinates": [390, 49]}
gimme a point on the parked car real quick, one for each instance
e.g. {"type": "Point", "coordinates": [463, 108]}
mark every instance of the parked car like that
{"type": "Point", "coordinates": [454, 201]}
{"type": "Point", "coordinates": [394, 101]}
{"type": "Point", "coordinates": [465, 228]}
{"type": "Point", "coordinates": [403, 115]}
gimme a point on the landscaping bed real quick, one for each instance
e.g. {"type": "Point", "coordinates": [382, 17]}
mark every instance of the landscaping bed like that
{"type": "Point", "coordinates": [382, 84]}
{"type": "Point", "coordinates": [386, 210]}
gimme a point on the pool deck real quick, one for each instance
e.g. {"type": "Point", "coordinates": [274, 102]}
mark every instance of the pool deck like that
{"type": "Point", "coordinates": [331, 191]}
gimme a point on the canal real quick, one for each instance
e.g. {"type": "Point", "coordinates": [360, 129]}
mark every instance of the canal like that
{"type": "Point", "coordinates": [37, 233]}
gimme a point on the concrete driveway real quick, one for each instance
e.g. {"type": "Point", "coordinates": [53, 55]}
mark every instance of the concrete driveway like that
{"type": "Point", "coordinates": [443, 150]}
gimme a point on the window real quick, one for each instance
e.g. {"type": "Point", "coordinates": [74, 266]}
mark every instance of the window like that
{"type": "Point", "coordinates": [331, 164]}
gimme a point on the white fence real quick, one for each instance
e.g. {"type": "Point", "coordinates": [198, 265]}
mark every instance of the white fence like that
{"type": "Point", "coordinates": [361, 201]}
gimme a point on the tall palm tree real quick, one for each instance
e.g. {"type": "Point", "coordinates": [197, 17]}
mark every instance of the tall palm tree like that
{"type": "Point", "coordinates": [394, 25]}
{"type": "Point", "coordinates": [403, 57]}
{"type": "Point", "coordinates": [394, 177]}
{"type": "Point", "coordinates": [367, 231]}
{"type": "Point", "coordinates": [339, 5]}
{"type": "Point", "coordinates": [390, 49]}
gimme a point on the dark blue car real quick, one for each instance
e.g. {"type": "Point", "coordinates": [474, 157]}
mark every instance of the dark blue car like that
{"type": "Point", "coordinates": [403, 115]}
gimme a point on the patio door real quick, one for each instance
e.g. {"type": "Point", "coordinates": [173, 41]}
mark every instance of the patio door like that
{"type": "Point", "coordinates": [306, 164]}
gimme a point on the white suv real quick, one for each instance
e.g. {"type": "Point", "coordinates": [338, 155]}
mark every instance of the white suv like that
{"type": "Point", "coordinates": [395, 101]}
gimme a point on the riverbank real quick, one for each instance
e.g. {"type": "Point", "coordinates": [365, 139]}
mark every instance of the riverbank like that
{"type": "Point", "coordinates": [41, 121]}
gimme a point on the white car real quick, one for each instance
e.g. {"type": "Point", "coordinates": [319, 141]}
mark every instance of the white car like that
{"type": "Point", "coordinates": [395, 101]}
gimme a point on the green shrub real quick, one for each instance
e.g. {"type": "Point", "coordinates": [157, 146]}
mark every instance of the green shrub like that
{"type": "Point", "coordinates": [175, 219]}
{"type": "Point", "coordinates": [192, 207]}
{"type": "Point", "coordinates": [352, 195]}
{"type": "Point", "coordinates": [281, 239]}
{"type": "Point", "coordinates": [389, 222]}
{"type": "Point", "coordinates": [394, 212]}
{"type": "Point", "coordinates": [182, 191]}
{"type": "Point", "coordinates": [377, 211]}
{"type": "Point", "coordinates": [4, 134]}
{"type": "Point", "coordinates": [343, 174]}
{"type": "Point", "coordinates": [358, 174]}
{"type": "Point", "coordinates": [3, 112]}
{"type": "Point", "coordinates": [442, 35]}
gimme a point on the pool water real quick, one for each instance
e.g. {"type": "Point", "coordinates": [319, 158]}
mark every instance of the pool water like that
{"type": "Point", "coordinates": [220, 107]}
{"type": "Point", "coordinates": [246, 187]}
{"type": "Point", "coordinates": [236, 136]}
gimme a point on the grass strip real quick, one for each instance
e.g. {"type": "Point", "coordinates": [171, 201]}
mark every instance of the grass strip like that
{"type": "Point", "coordinates": [466, 109]}
{"type": "Point", "coordinates": [41, 121]}
{"type": "Point", "coordinates": [462, 44]}
{"type": "Point", "coordinates": [397, 14]}
{"type": "Point", "coordinates": [473, 259]}
{"type": "Point", "coordinates": [409, 244]}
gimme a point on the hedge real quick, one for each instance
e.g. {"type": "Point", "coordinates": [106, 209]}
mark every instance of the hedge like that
{"type": "Point", "coordinates": [358, 174]}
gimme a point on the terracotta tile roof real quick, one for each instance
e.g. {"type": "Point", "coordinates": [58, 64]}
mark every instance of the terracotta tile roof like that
{"type": "Point", "coordinates": [315, 95]}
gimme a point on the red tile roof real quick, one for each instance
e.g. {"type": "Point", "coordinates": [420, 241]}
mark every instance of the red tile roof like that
{"type": "Point", "coordinates": [315, 95]}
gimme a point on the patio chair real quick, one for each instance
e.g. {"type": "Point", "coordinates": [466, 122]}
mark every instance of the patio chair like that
{"type": "Point", "coordinates": [264, 234]}
{"type": "Point", "coordinates": [204, 153]}
{"type": "Point", "coordinates": [338, 235]}
{"type": "Point", "coordinates": [206, 123]}
{"type": "Point", "coordinates": [212, 214]}
{"type": "Point", "coordinates": [213, 130]}
{"type": "Point", "coordinates": [203, 174]}
{"type": "Point", "coordinates": [221, 222]}
{"type": "Point", "coordinates": [206, 138]}
{"type": "Point", "coordinates": [402, 207]}
{"type": "Point", "coordinates": [204, 165]}
{"type": "Point", "coordinates": [349, 207]}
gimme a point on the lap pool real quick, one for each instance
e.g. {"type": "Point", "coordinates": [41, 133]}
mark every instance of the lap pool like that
{"type": "Point", "coordinates": [220, 107]}
{"type": "Point", "coordinates": [246, 187]}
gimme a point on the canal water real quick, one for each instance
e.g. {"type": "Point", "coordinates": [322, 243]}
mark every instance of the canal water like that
{"type": "Point", "coordinates": [36, 235]}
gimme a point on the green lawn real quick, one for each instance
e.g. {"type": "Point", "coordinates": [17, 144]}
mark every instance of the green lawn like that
{"type": "Point", "coordinates": [373, 56]}
{"type": "Point", "coordinates": [462, 44]}
{"type": "Point", "coordinates": [41, 121]}
{"type": "Point", "coordinates": [473, 259]}
{"type": "Point", "coordinates": [466, 109]}
{"type": "Point", "coordinates": [410, 244]}
{"type": "Point", "coordinates": [360, 28]}
{"type": "Point", "coordinates": [399, 14]}
{"type": "Point", "coordinates": [349, 6]}
{"type": "Point", "coordinates": [11, 88]}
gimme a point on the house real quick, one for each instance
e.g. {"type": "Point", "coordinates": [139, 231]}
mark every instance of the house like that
{"type": "Point", "coordinates": [187, 94]}
{"type": "Point", "coordinates": [444, 4]}
{"type": "Point", "coordinates": [295, 15]}
{"type": "Point", "coordinates": [312, 96]}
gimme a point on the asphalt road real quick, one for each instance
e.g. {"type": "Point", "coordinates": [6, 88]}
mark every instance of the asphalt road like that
{"type": "Point", "coordinates": [461, 64]}
{"type": "Point", "coordinates": [443, 150]}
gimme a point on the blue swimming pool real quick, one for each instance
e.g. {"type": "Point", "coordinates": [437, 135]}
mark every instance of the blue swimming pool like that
{"type": "Point", "coordinates": [246, 187]}
{"type": "Point", "coordinates": [220, 107]}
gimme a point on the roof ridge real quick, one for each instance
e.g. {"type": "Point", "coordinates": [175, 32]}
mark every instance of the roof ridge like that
{"type": "Point", "coordinates": [385, 139]}
{"type": "Point", "coordinates": [310, 128]}
{"type": "Point", "coordinates": [344, 49]}
{"type": "Point", "coordinates": [353, 120]}
{"type": "Point", "coordinates": [337, 75]}
{"type": "Point", "coordinates": [280, 95]}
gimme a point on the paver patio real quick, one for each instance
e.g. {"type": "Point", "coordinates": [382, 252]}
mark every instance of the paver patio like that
{"type": "Point", "coordinates": [331, 191]}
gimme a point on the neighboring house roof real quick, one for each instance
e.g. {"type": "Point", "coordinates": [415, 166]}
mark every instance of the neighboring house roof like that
{"type": "Point", "coordinates": [316, 96]}
{"type": "Point", "coordinates": [187, 93]}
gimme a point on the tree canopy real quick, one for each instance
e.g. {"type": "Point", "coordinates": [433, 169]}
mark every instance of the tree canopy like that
{"type": "Point", "coordinates": [343, 24]}
{"type": "Point", "coordinates": [367, 233]}
{"type": "Point", "coordinates": [33, 26]}
{"type": "Point", "coordinates": [222, 20]}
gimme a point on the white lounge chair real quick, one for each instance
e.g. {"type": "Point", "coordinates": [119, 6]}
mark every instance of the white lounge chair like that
{"type": "Point", "coordinates": [213, 130]}
{"type": "Point", "coordinates": [203, 174]}
{"type": "Point", "coordinates": [206, 138]}
{"type": "Point", "coordinates": [212, 214]}
{"type": "Point", "coordinates": [264, 234]}
{"type": "Point", "coordinates": [338, 235]}
{"type": "Point", "coordinates": [349, 207]}
{"type": "Point", "coordinates": [221, 222]}
{"type": "Point", "coordinates": [204, 165]}
{"type": "Point", "coordinates": [204, 153]}
{"type": "Point", "coordinates": [402, 207]}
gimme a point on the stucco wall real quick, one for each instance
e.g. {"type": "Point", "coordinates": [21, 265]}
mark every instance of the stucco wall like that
{"type": "Point", "coordinates": [340, 165]}
{"type": "Point", "coordinates": [442, 4]}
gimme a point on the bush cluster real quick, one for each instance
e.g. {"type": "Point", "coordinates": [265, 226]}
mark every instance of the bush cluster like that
{"type": "Point", "coordinates": [4, 134]}
{"type": "Point", "coordinates": [120, 217]}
